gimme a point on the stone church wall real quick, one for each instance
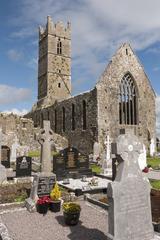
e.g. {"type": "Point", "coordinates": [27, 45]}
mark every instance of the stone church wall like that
{"type": "Point", "coordinates": [125, 61]}
{"type": "Point", "coordinates": [82, 139]}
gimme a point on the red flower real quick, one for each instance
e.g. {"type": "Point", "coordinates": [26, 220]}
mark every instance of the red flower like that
{"type": "Point", "coordinates": [145, 170]}
{"type": "Point", "coordinates": [43, 200]}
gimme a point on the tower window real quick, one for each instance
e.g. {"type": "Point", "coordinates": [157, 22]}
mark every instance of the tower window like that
{"type": "Point", "coordinates": [59, 71]}
{"type": "Point", "coordinates": [84, 123]}
{"type": "Point", "coordinates": [59, 85]}
{"type": "Point", "coordinates": [128, 101]}
{"type": "Point", "coordinates": [63, 119]}
{"type": "Point", "coordinates": [126, 51]}
{"type": "Point", "coordinates": [55, 120]}
{"type": "Point", "coordinates": [73, 117]}
{"type": "Point", "coordinates": [59, 47]}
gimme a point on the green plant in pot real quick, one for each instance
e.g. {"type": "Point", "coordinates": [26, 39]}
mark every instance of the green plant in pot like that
{"type": "Point", "coordinates": [55, 195]}
{"type": "Point", "coordinates": [71, 212]}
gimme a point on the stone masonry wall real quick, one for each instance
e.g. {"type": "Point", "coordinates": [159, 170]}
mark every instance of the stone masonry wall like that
{"type": "Point", "coordinates": [125, 61]}
{"type": "Point", "coordinates": [82, 139]}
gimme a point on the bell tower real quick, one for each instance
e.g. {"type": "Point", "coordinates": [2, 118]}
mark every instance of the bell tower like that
{"type": "Point", "coordinates": [54, 63]}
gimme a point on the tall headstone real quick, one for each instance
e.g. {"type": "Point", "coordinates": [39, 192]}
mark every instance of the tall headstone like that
{"type": "Point", "coordinates": [152, 148]}
{"type": "Point", "coordinates": [129, 195]}
{"type": "Point", "coordinates": [142, 160]}
{"type": "Point", "coordinates": [96, 152]}
{"type": "Point", "coordinates": [107, 161]}
{"type": "Point", "coordinates": [3, 174]}
{"type": "Point", "coordinates": [45, 138]}
{"type": "Point", "coordinates": [5, 156]}
{"type": "Point", "coordinates": [43, 182]}
{"type": "Point", "coordinates": [14, 148]}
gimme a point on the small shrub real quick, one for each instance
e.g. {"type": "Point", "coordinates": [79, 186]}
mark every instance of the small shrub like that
{"type": "Point", "coordinates": [70, 207]}
{"type": "Point", "coordinates": [55, 193]}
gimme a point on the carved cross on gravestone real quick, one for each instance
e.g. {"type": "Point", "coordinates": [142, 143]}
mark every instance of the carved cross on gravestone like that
{"type": "Point", "coordinates": [45, 138]}
{"type": "Point", "coordinates": [129, 195]}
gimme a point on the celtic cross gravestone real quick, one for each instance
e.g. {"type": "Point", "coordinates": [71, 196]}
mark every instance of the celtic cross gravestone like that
{"type": "Point", "coordinates": [129, 195]}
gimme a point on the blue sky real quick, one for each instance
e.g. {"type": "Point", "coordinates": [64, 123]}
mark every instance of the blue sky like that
{"type": "Point", "coordinates": [99, 27]}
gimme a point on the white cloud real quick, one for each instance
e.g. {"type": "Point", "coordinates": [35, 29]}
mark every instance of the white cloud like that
{"type": "Point", "coordinates": [156, 69]}
{"type": "Point", "coordinates": [14, 55]}
{"type": "Point", "coordinates": [11, 95]}
{"type": "Point", "coordinates": [16, 111]}
{"type": "Point", "coordinates": [98, 27]}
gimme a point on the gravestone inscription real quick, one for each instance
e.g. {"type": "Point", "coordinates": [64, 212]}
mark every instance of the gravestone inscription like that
{"type": "Point", "coordinates": [45, 185]}
{"type": "Point", "coordinates": [23, 166]}
{"type": "Point", "coordinates": [41, 186]}
{"type": "Point", "coordinates": [70, 160]}
{"type": "Point", "coordinates": [5, 156]}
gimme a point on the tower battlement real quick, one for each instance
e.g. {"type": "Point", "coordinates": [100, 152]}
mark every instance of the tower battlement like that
{"type": "Point", "coordinates": [58, 29]}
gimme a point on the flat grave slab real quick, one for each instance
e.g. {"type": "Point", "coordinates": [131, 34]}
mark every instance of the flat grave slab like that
{"type": "Point", "coordinates": [84, 186]}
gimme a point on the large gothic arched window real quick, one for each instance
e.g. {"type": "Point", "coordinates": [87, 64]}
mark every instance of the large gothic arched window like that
{"type": "Point", "coordinates": [128, 101]}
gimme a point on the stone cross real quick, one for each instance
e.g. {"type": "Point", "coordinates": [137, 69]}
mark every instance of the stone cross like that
{"type": "Point", "coordinates": [45, 138]}
{"type": "Point", "coordinates": [129, 214]}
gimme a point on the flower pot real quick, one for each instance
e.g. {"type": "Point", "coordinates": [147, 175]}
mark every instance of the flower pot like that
{"type": "Point", "coordinates": [55, 206]}
{"type": "Point", "coordinates": [71, 218]}
{"type": "Point", "coordinates": [42, 208]}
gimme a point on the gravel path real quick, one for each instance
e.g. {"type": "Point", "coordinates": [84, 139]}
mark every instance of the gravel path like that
{"type": "Point", "coordinates": [23, 225]}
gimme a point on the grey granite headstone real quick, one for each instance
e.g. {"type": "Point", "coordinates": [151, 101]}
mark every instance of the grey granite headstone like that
{"type": "Point", "coordinates": [45, 138]}
{"type": "Point", "coordinates": [42, 185]}
{"type": "Point", "coordinates": [129, 195]}
{"type": "Point", "coordinates": [3, 174]}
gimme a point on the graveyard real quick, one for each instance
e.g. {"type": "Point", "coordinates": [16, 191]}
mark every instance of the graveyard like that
{"type": "Point", "coordinates": [84, 167]}
{"type": "Point", "coordinates": [25, 192]}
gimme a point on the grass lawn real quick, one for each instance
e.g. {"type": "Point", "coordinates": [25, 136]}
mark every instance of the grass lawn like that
{"type": "Point", "coordinates": [155, 184]}
{"type": "Point", "coordinates": [154, 162]}
{"type": "Point", "coordinates": [95, 168]}
{"type": "Point", "coordinates": [37, 153]}
{"type": "Point", "coordinates": [34, 154]}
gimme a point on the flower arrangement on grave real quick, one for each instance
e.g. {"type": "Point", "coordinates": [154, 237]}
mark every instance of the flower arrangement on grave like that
{"type": "Point", "coordinates": [71, 212]}
{"type": "Point", "coordinates": [55, 195]}
{"type": "Point", "coordinates": [42, 204]}
{"type": "Point", "coordinates": [93, 181]}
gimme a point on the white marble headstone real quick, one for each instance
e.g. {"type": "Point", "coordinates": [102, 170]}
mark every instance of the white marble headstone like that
{"type": "Point", "coordinates": [14, 148]}
{"type": "Point", "coordinates": [142, 160]}
{"type": "Point", "coordinates": [152, 147]}
{"type": "Point", "coordinates": [96, 151]}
